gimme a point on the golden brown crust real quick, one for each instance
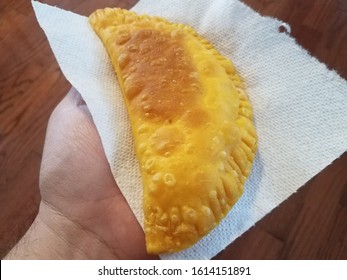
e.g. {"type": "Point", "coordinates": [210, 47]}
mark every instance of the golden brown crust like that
{"type": "Point", "coordinates": [191, 120]}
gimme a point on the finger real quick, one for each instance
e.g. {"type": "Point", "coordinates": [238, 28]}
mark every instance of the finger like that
{"type": "Point", "coordinates": [73, 102]}
{"type": "Point", "coordinates": [76, 97]}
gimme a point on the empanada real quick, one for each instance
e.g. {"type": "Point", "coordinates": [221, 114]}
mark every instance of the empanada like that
{"type": "Point", "coordinates": [191, 120]}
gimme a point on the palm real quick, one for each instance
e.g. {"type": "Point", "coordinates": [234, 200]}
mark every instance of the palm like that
{"type": "Point", "coordinates": [76, 181]}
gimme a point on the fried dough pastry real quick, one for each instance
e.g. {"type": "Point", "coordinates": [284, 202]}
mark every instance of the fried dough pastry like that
{"type": "Point", "coordinates": [191, 120]}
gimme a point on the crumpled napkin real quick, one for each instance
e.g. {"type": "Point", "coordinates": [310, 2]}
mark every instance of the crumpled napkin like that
{"type": "Point", "coordinates": [300, 106]}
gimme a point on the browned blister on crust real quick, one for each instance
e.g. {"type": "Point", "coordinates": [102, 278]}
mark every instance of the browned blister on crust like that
{"type": "Point", "coordinates": [191, 120]}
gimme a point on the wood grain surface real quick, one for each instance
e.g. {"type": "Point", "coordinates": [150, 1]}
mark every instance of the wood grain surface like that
{"type": "Point", "coordinates": [311, 224]}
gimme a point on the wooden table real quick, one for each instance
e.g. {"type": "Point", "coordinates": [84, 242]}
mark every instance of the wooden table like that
{"type": "Point", "coordinates": [311, 224]}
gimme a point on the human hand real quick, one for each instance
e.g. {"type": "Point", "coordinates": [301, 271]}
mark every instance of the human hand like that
{"type": "Point", "coordinates": [82, 212]}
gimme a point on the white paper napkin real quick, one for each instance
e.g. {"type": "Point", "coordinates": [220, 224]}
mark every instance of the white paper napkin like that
{"type": "Point", "coordinates": [300, 107]}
